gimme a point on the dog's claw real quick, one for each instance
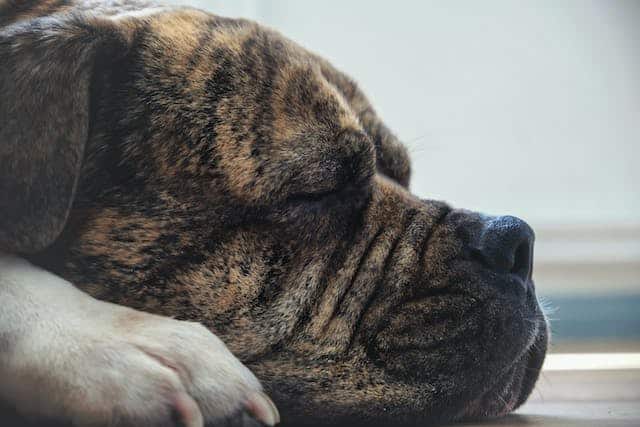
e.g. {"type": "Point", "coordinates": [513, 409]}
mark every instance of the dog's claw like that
{"type": "Point", "coordinates": [187, 412]}
{"type": "Point", "coordinates": [262, 408]}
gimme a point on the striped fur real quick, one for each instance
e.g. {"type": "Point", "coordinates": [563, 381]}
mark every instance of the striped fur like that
{"type": "Point", "coordinates": [234, 178]}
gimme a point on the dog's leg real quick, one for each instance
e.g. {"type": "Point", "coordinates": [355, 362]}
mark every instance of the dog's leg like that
{"type": "Point", "coordinates": [66, 355]}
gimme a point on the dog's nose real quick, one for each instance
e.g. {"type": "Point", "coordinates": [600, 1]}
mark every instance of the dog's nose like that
{"type": "Point", "coordinates": [506, 245]}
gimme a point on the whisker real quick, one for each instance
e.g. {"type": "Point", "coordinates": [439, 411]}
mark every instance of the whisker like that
{"type": "Point", "coordinates": [504, 402]}
{"type": "Point", "coordinates": [545, 378]}
{"type": "Point", "coordinates": [416, 139]}
{"type": "Point", "coordinates": [547, 306]}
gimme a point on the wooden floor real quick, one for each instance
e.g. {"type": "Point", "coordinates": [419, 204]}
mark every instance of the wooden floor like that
{"type": "Point", "coordinates": [570, 414]}
{"type": "Point", "coordinates": [578, 396]}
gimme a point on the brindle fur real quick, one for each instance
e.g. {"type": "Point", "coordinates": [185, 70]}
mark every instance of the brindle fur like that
{"type": "Point", "coordinates": [231, 177]}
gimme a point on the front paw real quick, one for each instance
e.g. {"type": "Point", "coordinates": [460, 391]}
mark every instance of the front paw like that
{"type": "Point", "coordinates": [135, 369]}
{"type": "Point", "coordinates": [224, 390]}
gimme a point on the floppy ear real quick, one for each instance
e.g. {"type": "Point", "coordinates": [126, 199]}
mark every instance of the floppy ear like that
{"type": "Point", "coordinates": [46, 65]}
{"type": "Point", "coordinates": [392, 158]}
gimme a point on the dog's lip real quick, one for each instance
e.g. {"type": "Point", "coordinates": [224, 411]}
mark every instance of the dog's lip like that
{"type": "Point", "coordinates": [530, 362]}
{"type": "Point", "coordinates": [531, 365]}
{"type": "Point", "coordinates": [517, 377]}
{"type": "Point", "coordinates": [536, 355]}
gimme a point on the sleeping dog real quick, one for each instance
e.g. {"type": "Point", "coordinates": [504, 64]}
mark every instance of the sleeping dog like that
{"type": "Point", "coordinates": [165, 166]}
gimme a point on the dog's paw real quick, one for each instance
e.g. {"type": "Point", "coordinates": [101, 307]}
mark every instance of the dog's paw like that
{"type": "Point", "coordinates": [213, 385]}
{"type": "Point", "coordinates": [67, 357]}
{"type": "Point", "coordinates": [134, 369]}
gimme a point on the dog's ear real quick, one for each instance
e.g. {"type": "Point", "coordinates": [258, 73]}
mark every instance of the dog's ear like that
{"type": "Point", "coordinates": [392, 158]}
{"type": "Point", "coordinates": [46, 68]}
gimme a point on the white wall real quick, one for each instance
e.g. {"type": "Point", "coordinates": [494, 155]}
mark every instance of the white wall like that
{"type": "Point", "coordinates": [531, 108]}
{"type": "Point", "coordinates": [528, 108]}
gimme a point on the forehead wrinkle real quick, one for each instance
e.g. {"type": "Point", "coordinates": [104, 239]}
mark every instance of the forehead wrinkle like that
{"type": "Point", "coordinates": [202, 62]}
{"type": "Point", "coordinates": [299, 87]}
{"type": "Point", "coordinates": [348, 119]}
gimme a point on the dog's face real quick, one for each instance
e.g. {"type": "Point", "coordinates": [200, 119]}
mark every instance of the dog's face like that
{"type": "Point", "coordinates": [233, 178]}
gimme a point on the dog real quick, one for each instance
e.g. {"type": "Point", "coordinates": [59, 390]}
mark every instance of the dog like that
{"type": "Point", "coordinates": [172, 180]}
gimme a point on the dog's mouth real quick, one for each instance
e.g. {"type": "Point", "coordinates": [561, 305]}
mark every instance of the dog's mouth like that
{"type": "Point", "coordinates": [458, 345]}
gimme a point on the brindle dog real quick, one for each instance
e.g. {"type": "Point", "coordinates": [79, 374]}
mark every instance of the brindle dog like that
{"type": "Point", "coordinates": [210, 169]}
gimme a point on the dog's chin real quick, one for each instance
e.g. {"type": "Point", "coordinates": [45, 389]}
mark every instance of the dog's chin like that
{"type": "Point", "coordinates": [514, 386]}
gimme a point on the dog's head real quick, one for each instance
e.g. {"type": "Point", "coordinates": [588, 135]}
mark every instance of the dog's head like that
{"type": "Point", "coordinates": [210, 169]}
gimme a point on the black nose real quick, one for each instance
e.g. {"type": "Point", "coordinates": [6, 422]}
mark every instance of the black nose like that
{"type": "Point", "coordinates": [506, 245]}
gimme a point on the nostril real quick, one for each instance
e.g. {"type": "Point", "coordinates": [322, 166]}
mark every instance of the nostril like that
{"type": "Point", "coordinates": [522, 261]}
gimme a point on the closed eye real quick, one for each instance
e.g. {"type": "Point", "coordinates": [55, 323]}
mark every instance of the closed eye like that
{"type": "Point", "coordinates": [353, 194]}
